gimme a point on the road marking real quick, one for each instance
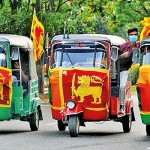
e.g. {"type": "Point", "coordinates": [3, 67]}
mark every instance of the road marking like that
{"type": "Point", "coordinates": [49, 124]}
{"type": "Point", "coordinates": [148, 148]}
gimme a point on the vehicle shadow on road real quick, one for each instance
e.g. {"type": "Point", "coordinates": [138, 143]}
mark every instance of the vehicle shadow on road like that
{"type": "Point", "coordinates": [100, 133]}
{"type": "Point", "coordinates": [2, 132]}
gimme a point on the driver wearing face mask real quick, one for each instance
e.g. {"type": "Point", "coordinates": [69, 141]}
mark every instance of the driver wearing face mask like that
{"type": "Point", "coordinates": [125, 59]}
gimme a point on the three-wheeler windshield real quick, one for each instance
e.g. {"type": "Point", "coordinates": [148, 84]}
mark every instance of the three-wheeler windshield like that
{"type": "Point", "coordinates": [80, 57]}
{"type": "Point", "coordinates": [146, 55]}
{"type": "Point", "coordinates": [2, 60]}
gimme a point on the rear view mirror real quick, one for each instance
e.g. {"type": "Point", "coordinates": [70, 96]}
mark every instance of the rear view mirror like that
{"type": "Point", "coordinates": [114, 53]}
{"type": "Point", "coordinates": [14, 54]}
{"type": "Point", "coordinates": [135, 55]}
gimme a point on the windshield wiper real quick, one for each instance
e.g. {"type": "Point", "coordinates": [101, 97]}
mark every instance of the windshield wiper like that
{"type": "Point", "coordinates": [63, 50]}
{"type": "Point", "coordinates": [61, 59]}
{"type": "Point", "coordinates": [69, 58]}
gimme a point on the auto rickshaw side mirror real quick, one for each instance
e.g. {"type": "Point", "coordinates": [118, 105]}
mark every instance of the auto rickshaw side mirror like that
{"type": "Point", "coordinates": [14, 54]}
{"type": "Point", "coordinates": [135, 56]}
{"type": "Point", "coordinates": [114, 53]}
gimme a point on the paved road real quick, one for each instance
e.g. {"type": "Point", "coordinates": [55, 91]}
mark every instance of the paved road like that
{"type": "Point", "coordinates": [16, 135]}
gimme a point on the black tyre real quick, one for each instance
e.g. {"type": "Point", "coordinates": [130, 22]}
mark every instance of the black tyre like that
{"type": "Point", "coordinates": [74, 125]}
{"type": "Point", "coordinates": [148, 130]}
{"type": "Point", "coordinates": [127, 123]}
{"type": "Point", "coordinates": [61, 125]}
{"type": "Point", "coordinates": [34, 121]}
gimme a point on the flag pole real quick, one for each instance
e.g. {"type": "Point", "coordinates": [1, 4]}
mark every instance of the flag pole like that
{"type": "Point", "coordinates": [34, 12]}
{"type": "Point", "coordinates": [47, 41]}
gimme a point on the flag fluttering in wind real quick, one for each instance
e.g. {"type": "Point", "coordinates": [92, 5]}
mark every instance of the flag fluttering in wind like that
{"type": "Point", "coordinates": [37, 33]}
{"type": "Point", "coordinates": [146, 30]}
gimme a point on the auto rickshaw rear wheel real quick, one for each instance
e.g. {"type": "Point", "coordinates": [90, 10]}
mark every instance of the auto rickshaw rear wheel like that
{"type": "Point", "coordinates": [61, 125]}
{"type": "Point", "coordinates": [127, 122]}
{"type": "Point", "coordinates": [148, 130]}
{"type": "Point", "coordinates": [34, 121]}
{"type": "Point", "coordinates": [74, 125]}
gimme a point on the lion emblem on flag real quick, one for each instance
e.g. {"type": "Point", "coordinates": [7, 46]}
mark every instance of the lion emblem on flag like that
{"type": "Point", "coordinates": [85, 89]}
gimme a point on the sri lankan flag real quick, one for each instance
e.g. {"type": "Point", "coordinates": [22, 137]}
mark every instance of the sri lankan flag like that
{"type": "Point", "coordinates": [5, 87]}
{"type": "Point", "coordinates": [88, 86]}
{"type": "Point", "coordinates": [37, 33]}
{"type": "Point", "coordinates": [146, 30]}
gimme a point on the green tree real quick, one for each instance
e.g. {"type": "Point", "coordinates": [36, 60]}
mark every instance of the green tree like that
{"type": "Point", "coordinates": [84, 16]}
{"type": "Point", "coordinates": [94, 16]}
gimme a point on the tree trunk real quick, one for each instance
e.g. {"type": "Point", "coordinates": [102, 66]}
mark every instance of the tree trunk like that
{"type": "Point", "coordinates": [38, 6]}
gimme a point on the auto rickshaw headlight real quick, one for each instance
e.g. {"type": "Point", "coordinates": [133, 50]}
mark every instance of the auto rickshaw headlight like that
{"type": "Point", "coordinates": [71, 104]}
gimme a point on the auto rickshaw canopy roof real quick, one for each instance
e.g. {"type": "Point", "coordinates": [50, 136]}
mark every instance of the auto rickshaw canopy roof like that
{"type": "Point", "coordinates": [17, 40]}
{"type": "Point", "coordinates": [112, 39]}
{"type": "Point", "coordinates": [115, 40]}
{"type": "Point", "coordinates": [145, 42]}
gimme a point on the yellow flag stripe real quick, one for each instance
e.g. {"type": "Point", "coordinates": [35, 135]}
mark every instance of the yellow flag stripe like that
{"type": "Point", "coordinates": [94, 109]}
{"type": "Point", "coordinates": [145, 112]}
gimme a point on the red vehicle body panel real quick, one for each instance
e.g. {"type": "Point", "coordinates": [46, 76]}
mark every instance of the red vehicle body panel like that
{"type": "Point", "coordinates": [89, 89]}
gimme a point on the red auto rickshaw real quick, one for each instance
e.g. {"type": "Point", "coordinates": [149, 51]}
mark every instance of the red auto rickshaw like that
{"type": "Point", "coordinates": [84, 81]}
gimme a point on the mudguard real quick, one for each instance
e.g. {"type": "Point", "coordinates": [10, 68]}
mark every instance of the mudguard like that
{"type": "Point", "coordinates": [129, 109]}
{"type": "Point", "coordinates": [77, 110]}
{"type": "Point", "coordinates": [129, 106]}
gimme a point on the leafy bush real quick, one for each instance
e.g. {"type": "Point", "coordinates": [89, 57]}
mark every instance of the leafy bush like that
{"type": "Point", "coordinates": [134, 73]}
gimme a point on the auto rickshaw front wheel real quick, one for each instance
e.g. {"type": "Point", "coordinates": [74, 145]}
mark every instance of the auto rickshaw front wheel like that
{"type": "Point", "coordinates": [34, 121]}
{"type": "Point", "coordinates": [74, 125]}
{"type": "Point", "coordinates": [127, 122]}
{"type": "Point", "coordinates": [148, 130]}
{"type": "Point", "coordinates": [61, 125]}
